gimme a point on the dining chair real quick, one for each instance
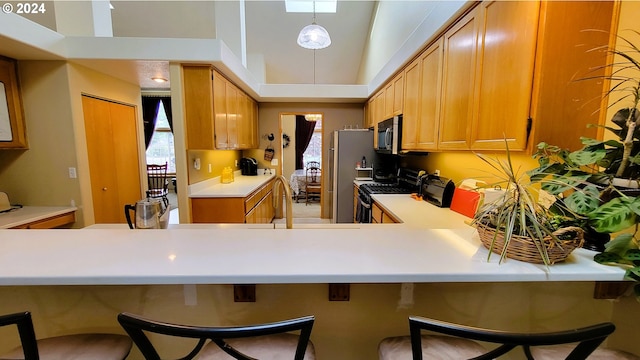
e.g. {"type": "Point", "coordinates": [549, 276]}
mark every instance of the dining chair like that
{"type": "Point", "coordinates": [158, 182]}
{"type": "Point", "coordinates": [313, 185]}
{"type": "Point", "coordinates": [66, 347]}
{"type": "Point", "coordinates": [455, 342]}
{"type": "Point", "coordinates": [269, 341]}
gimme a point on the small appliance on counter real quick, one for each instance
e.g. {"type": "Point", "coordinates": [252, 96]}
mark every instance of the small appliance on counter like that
{"type": "Point", "coordinates": [148, 214]}
{"type": "Point", "coordinates": [248, 166]}
{"type": "Point", "coordinates": [437, 190]}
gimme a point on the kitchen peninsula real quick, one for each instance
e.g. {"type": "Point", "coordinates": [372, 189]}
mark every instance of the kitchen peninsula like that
{"type": "Point", "coordinates": [185, 274]}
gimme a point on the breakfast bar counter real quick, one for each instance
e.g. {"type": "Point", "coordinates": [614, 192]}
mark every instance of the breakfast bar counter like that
{"type": "Point", "coordinates": [393, 253]}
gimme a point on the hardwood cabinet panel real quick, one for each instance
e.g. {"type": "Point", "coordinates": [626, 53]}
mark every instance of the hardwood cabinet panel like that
{"type": "Point", "coordinates": [198, 107]}
{"type": "Point", "coordinates": [398, 94]}
{"type": "Point", "coordinates": [218, 114]}
{"type": "Point", "coordinates": [506, 49]}
{"type": "Point", "coordinates": [50, 222]}
{"type": "Point", "coordinates": [458, 80]}
{"type": "Point", "coordinates": [217, 210]}
{"type": "Point", "coordinates": [220, 108]}
{"type": "Point", "coordinates": [411, 116]}
{"type": "Point", "coordinates": [562, 107]}
{"type": "Point", "coordinates": [422, 80]}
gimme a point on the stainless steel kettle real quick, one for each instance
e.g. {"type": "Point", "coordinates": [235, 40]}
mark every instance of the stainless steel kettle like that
{"type": "Point", "coordinates": [148, 214]}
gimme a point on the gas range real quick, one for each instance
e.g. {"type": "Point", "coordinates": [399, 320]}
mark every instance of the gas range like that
{"type": "Point", "coordinates": [385, 188]}
{"type": "Point", "coordinates": [407, 182]}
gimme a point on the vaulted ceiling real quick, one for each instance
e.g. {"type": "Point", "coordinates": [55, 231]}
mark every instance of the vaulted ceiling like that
{"type": "Point", "coordinates": [260, 33]}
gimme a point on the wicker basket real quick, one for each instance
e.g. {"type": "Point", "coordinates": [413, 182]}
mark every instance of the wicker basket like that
{"type": "Point", "coordinates": [522, 248]}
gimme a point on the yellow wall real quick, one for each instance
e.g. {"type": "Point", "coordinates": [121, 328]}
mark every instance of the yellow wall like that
{"type": "Point", "coordinates": [219, 159]}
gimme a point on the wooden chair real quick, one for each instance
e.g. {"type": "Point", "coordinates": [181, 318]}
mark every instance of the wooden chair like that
{"type": "Point", "coordinates": [265, 341]}
{"type": "Point", "coordinates": [67, 347]}
{"type": "Point", "coordinates": [313, 185]}
{"type": "Point", "coordinates": [460, 342]}
{"type": "Point", "coordinates": [158, 182]}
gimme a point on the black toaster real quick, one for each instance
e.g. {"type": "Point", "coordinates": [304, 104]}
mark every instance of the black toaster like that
{"type": "Point", "coordinates": [437, 190]}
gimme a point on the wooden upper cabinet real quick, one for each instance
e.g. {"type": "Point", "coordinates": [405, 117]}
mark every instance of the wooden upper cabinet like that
{"type": "Point", "coordinates": [458, 83]}
{"type": "Point", "coordinates": [218, 114]}
{"type": "Point", "coordinates": [198, 107]}
{"type": "Point", "coordinates": [411, 116]}
{"type": "Point", "coordinates": [398, 94]}
{"type": "Point", "coordinates": [220, 108]}
{"type": "Point", "coordinates": [506, 49]}
{"type": "Point", "coordinates": [232, 117]}
{"type": "Point", "coordinates": [393, 97]}
{"type": "Point", "coordinates": [429, 97]}
{"type": "Point", "coordinates": [562, 105]}
{"type": "Point", "coordinates": [423, 84]}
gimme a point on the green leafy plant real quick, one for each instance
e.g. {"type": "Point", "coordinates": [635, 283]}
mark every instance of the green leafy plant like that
{"type": "Point", "coordinates": [599, 184]}
{"type": "Point", "coordinates": [518, 213]}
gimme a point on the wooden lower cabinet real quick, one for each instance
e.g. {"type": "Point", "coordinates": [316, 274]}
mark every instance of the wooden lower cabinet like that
{"type": "Point", "coordinates": [255, 208]}
{"type": "Point", "coordinates": [380, 216]}
{"type": "Point", "coordinates": [50, 222]}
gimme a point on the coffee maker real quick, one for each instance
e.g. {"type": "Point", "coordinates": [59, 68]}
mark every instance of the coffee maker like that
{"type": "Point", "coordinates": [248, 166]}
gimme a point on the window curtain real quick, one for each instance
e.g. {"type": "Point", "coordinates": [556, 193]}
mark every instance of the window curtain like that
{"type": "Point", "coordinates": [150, 107]}
{"type": "Point", "coordinates": [304, 132]}
{"type": "Point", "coordinates": [166, 102]}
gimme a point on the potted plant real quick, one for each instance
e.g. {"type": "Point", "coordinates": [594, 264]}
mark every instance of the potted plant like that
{"type": "Point", "coordinates": [598, 184]}
{"type": "Point", "coordinates": [517, 226]}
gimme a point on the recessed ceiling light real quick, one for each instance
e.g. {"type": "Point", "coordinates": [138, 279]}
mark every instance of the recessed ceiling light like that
{"type": "Point", "coordinates": [159, 79]}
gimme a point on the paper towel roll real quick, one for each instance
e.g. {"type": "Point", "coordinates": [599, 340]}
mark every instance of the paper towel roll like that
{"type": "Point", "coordinates": [493, 195]}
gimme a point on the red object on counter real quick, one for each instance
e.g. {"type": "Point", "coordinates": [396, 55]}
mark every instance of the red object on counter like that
{"type": "Point", "coordinates": [465, 202]}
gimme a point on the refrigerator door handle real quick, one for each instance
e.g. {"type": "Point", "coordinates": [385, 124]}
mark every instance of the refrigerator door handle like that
{"type": "Point", "coordinates": [331, 169]}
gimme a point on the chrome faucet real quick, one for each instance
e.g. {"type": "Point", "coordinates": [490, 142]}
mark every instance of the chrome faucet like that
{"type": "Point", "coordinates": [287, 194]}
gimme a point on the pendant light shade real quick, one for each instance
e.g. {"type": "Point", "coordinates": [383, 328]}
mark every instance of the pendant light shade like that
{"type": "Point", "coordinates": [314, 37]}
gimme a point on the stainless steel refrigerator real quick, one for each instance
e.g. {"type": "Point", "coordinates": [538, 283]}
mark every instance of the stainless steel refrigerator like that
{"type": "Point", "coordinates": [347, 147]}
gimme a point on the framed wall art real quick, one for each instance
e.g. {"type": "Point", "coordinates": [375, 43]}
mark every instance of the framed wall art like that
{"type": "Point", "coordinates": [12, 127]}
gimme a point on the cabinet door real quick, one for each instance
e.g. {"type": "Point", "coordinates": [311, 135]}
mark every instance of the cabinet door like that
{"type": "Point", "coordinates": [198, 109]}
{"type": "Point", "coordinates": [398, 94]}
{"type": "Point", "coordinates": [506, 53]}
{"type": "Point", "coordinates": [429, 97]}
{"type": "Point", "coordinates": [220, 109]}
{"type": "Point", "coordinates": [232, 116]}
{"type": "Point", "coordinates": [458, 82]}
{"type": "Point", "coordinates": [410, 118]}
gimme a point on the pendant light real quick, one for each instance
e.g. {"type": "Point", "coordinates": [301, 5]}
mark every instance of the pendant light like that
{"type": "Point", "coordinates": [314, 36]}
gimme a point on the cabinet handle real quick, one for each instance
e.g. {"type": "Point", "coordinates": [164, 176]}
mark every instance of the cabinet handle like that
{"type": "Point", "coordinates": [104, 189]}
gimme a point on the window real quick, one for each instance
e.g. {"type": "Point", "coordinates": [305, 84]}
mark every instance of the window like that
{"type": "Point", "coordinates": [160, 148]}
{"type": "Point", "coordinates": [314, 150]}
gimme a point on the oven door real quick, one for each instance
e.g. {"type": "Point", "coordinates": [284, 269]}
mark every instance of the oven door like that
{"type": "Point", "coordinates": [363, 208]}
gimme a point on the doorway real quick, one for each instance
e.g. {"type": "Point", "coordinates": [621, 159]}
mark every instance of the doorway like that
{"type": "Point", "coordinates": [159, 142]}
{"type": "Point", "coordinates": [301, 135]}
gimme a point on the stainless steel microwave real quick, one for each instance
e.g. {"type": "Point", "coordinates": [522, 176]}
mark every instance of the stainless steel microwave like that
{"type": "Point", "coordinates": [389, 132]}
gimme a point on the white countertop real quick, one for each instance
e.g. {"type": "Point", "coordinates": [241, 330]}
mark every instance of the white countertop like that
{"type": "Point", "coordinates": [29, 214]}
{"type": "Point", "coordinates": [216, 255]}
{"type": "Point", "coordinates": [431, 245]}
{"type": "Point", "coordinates": [242, 186]}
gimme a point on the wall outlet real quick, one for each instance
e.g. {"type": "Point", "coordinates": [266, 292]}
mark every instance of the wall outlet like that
{"type": "Point", "coordinates": [72, 173]}
{"type": "Point", "coordinates": [437, 172]}
{"type": "Point", "coordinates": [196, 164]}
